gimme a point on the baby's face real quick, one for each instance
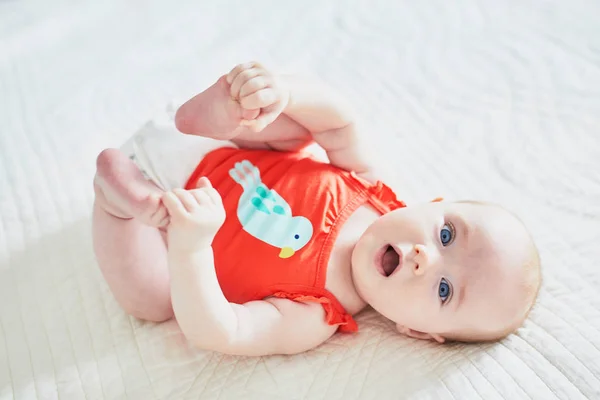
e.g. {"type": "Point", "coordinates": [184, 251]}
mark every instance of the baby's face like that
{"type": "Point", "coordinates": [442, 268]}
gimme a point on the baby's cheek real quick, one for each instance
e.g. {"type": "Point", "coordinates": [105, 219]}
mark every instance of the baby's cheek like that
{"type": "Point", "coordinates": [419, 301]}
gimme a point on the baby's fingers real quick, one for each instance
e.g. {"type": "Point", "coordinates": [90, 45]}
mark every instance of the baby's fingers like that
{"type": "Point", "coordinates": [210, 192]}
{"type": "Point", "coordinates": [187, 199]}
{"type": "Point", "coordinates": [201, 196]}
{"type": "Point", "coordinates": [173, 204]}
{"type": "Point", "coordinates": [203, 182]}
{"type": "Point", "coordinates": [266, 117]}
{"type": "Point", "coordinates": [236, 71]}
{"type": "Point", "coordinates": [241, 79]}
{"type": "Point", "coordinates": [261, 99]}
{"type": "Point", "coordinates": [215, 197]}
{"type": "Point", "coordinates": [254, 85]}
{"type": "Point", "coordinates": [249, 115]}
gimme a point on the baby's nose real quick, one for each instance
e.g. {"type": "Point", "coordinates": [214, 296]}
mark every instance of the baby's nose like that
{"type": "Point", "coordinates": [421, 258]}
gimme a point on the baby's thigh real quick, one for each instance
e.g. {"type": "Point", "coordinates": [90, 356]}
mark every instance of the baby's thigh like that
{"type": "Point", "coordinates": [166, 156]}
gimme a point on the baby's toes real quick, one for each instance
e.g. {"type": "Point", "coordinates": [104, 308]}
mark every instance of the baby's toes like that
{"type": "Point", "coordinates": [150, 213]}
{"type": "Point", "coordinates": [161, 217]}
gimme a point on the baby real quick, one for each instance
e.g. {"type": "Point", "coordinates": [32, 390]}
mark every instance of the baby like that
{"type": "Point", "coordinates": [257, 247]}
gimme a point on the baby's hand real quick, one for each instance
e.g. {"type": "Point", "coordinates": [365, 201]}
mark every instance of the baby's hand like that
{"type": "Point", "coordinates": [195, 216]}
{"type": "Point", "coordinates": [256, 88]}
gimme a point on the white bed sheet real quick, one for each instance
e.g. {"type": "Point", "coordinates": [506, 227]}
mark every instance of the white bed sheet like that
{"type": "Point", "coordinates": [474, 99]}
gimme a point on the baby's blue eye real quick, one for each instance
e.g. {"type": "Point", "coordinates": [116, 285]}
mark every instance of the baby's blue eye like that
{"type": "Point", "coordinates": [444, 290]}
{"type": "Point", "coordinates": [296, 236]}
{"type": "Point", "coordinates": [447, 234]}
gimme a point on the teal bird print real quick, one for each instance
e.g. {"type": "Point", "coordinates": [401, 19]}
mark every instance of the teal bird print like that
{"type": "Point", "coordinates": [265, 215]}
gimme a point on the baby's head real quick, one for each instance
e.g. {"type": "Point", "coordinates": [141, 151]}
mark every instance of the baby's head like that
{"type": "Point", "coordinates": [464, 271]}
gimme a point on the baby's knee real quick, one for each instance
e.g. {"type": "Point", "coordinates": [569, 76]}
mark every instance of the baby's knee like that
{"type": "Point", "coordinates": [152, 303]}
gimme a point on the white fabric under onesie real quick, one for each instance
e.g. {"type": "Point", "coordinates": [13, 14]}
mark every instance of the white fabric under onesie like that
{"type": "Point", "coordinates": [166, 156]}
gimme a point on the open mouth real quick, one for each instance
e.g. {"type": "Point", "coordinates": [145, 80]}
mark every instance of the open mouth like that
{"type": "Point", "coordinates": [388, 260]}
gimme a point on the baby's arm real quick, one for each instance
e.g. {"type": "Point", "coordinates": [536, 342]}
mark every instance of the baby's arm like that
{"type": "Point", "coordinates": [207, 319]}
{"type": "Point", "coordinates": [319, 109]}
{"type": "Point", "coordinates": [332, 123]}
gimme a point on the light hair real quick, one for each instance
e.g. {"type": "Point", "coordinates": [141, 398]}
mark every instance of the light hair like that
{"type": "Point", "coordinates": [530, 284]}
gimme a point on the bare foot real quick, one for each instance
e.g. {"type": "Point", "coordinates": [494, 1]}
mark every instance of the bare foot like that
{"type": "Point", "coordinates": [122, 190]}
{"type": "Point", "coordinates": [213, 113]}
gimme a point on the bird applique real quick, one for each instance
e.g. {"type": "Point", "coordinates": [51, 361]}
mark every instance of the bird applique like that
{"type": "Point", "coordinates": [265, 215]}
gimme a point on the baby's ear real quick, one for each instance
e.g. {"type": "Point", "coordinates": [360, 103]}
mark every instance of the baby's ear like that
{"type": "Point", "coordinates": [419, 335]}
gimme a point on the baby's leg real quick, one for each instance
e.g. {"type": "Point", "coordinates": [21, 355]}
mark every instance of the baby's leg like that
{"type": "Point", "coordinates": [129, 184]}
{"type": "Point", "coordinates": [214, 114]}
{"type": "Point", "coordinates": [133, 260]}
{"type": "Point", "coordinates": [131, 254]}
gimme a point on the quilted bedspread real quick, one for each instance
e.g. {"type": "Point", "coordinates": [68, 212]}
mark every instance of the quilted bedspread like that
{"type": "Point", "coordinates": [485, 99]}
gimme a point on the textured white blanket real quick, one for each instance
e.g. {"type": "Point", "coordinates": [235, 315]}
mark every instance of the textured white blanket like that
{"type": "Point", "coordinates": [496, 100]}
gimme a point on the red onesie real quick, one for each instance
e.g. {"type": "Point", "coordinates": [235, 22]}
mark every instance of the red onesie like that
{"type": "Point", "coordinates": [284, 212]}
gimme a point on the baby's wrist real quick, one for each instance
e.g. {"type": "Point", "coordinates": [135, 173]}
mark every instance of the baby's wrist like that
{"type": "Point", "coordinates": [202, 253]}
